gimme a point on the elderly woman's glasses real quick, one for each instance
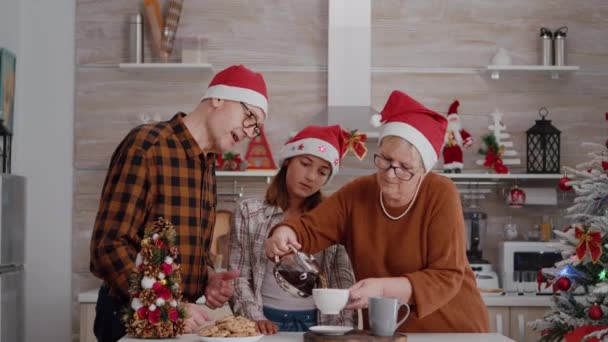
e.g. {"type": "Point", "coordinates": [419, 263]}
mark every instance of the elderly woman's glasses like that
{"type": "Point", "coordinates": [385, 165]}
{"type": "Point", "coordinates": [251, 121]}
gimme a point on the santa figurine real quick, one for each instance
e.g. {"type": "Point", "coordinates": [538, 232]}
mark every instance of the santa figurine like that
{"type": "Point", "coordinates": [456, 139]}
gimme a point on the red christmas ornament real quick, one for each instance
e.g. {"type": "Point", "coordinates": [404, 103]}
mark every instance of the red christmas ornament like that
{"type": "Point", "coordinates": [563, 283]}
{"type": "Point", "coordinates": [595, 312]}
{"type": "Point", "coordinates": [562, 184]}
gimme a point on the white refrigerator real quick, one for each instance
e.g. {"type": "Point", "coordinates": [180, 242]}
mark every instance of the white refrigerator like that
{"type": "Point", "coordinates": [12, 257]}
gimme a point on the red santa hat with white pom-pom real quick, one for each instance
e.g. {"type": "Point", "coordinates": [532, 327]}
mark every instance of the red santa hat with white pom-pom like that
{"type": "Point", "coordinates": [405, 117]}
{"type": "Point", "coordinates": [237, 83]}
{"type": "Point", "coordinates": [325, 142]}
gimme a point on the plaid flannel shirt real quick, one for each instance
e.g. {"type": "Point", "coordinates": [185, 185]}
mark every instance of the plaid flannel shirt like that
{"type": "Point", "coordinates": [252, 222]}
{"type": "Point", "coordinates": [158, 170]}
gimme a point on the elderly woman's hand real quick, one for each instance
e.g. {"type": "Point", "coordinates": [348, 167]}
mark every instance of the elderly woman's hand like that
{"type": "Point", "coordinates": [276, 245]}
{"type": "Point", "coordinates": [397, 287]}
{"type": "Point", "coordinates": [363, 290]}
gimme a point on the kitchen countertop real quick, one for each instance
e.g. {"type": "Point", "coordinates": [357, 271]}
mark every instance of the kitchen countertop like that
{"type": "Point", "coordinates": [500, 300]}
{"type": "Point", "coordinates": [297, 337]}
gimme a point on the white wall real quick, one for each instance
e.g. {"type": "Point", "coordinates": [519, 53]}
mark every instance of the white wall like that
{"type": "Point", "coordinates": [41, 33]}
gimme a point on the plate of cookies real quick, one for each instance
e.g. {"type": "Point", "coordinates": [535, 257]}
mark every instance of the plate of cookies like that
{"type": "Point", "coordinates": [230, 328]}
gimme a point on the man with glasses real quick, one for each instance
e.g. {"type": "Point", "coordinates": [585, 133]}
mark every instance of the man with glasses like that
{"type": "Point", "coordinates": [166, 169]}
{"type": "Point", "coordinates": [402, 227]}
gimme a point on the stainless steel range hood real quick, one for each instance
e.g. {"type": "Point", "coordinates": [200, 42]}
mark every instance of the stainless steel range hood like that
{"type": "Point", "coordinates": [349, 66]}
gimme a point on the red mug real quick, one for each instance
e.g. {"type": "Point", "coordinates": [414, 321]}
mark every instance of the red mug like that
{"type": "Point", "coordinates": [517, 197]}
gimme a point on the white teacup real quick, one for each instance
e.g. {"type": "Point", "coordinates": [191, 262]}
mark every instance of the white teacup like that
{"type": "Point", "coordinates": [330, 301]}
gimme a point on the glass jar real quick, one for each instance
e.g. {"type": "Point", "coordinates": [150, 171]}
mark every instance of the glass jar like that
{"type": "Point", "coordinates": [193, 50]}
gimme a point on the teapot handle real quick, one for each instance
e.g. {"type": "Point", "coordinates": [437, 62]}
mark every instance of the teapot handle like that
{"type": "Point", "coordinates": [293, 249]}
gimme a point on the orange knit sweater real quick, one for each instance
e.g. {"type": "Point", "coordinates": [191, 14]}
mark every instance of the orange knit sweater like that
{"type": "Point", "coordinates": [427, 246]}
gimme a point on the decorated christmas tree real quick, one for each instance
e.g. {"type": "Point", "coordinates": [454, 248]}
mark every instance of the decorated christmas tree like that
{"type": "Point", "coordinates": [155, 309]}
{"type": "Point", "coordinates": [585, 259]}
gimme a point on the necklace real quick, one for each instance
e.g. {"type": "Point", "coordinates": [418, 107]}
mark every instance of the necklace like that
{"type": "Point", "coordinates": [394, 218]}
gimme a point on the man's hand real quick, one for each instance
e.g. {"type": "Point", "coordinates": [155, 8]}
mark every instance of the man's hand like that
{"type": "Point", "coordinates": [276, 245]}
{"type": "Point", "coordinates": [266, 327]}
{"type": "Point", "coordinates": [219, 288]}
{"type": "Point", "coordinates": [197, 316]}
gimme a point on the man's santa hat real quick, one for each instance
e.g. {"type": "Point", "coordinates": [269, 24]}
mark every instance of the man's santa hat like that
{"type": "Point", "coordinates": [325, 142]}
{"type": "Point", "coordinates": [237, 83]}
{"type": "Point", "coordinates": [404, 117]}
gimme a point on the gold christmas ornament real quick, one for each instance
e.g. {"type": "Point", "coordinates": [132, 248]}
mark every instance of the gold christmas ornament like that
{"type": "Point", "coordinates": [164, 282]}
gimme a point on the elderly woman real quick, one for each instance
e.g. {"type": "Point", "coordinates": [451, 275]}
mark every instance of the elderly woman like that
{"type": "Point", "coordinates": [402, 227]}
{"type": "Point", "coordinates": [308, 162]}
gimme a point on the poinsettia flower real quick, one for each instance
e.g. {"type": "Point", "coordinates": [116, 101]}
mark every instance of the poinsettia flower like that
{"type": "Point", "coordinates": [167, 269]}
{"type": "Point", "coordinates": [142, 312]}
{"type": "Point", "coordinates": [173, 314]}
{"type": "Point", "coordinates": [157, 286]}
{"type": "Point", "coordinates": [154, 316]}
{"type": "Point", "coordinates": [163, 293]}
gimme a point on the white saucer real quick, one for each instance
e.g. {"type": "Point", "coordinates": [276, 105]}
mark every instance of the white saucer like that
{"type": "Point", "coordinates": [330, 329]}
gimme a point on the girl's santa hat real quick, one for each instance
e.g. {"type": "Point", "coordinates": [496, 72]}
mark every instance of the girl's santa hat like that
{"type": "Point", "coordinates": [405, 117]}
{"type": "Point", "coordinates": [237, 83]}
{"type": "Point", "coordinates": [325, 142]}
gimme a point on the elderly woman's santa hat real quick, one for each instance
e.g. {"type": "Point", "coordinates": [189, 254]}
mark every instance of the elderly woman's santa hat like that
{"type": "Point", "coordinates": [325, 142]}
{"type": "Point", "coordinates": [405, 117]}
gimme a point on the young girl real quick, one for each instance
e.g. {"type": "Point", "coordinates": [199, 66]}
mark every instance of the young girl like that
{"type": "Point", "coordinates": [308, 161]}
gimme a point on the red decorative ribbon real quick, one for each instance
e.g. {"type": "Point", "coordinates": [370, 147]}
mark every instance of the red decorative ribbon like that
{"type": "Point", "coordinates": [588, 241]}
{"type": "Point", "coordinates": [493, 160]}
{"type": "Point", "coordinates": [355, 142]}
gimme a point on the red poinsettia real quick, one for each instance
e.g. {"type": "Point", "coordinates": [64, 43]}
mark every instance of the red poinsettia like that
{"type": "Point", "coordinates": [142, 312]}
{"type": "Point", "coordinates": [173, 314]}
{"type": "Point", "coordinates": [154, 316]}
{"type": "Point", "coordinates": [166, 268]}
{"type": "Point", "coordinates": [161, 291]}
{"type": "Point", "coordinates": [157, 286]}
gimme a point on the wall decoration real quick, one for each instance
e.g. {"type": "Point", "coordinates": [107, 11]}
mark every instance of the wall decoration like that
{"type": "Point", "coordinates": [259, 155]}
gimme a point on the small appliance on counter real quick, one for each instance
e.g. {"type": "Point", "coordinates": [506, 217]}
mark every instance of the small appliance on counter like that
{"type": "Point", "coordinates": [475, 222]}
{"type": "Point", "coordinates": [518, 257]}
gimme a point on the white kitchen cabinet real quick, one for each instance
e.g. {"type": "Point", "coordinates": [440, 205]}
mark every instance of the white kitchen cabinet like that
{"type": "Point", "coordinates": [499, 319]}
{"type": "Point", "coordinates": [520, 316]}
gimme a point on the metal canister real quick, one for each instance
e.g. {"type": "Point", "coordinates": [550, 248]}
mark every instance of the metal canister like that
{"type": "Point", "coordinates": [546, 46]}
{"type": "Point", "coordinates": [560, 45]}
{"type": "Point", "coordinates": [136, 39]}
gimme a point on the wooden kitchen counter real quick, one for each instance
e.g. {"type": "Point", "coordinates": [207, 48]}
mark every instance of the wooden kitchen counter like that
{"type": "Point", "coordinates": [298, 337]}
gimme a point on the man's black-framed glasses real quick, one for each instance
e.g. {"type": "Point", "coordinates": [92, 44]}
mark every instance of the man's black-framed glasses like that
{"type": "Point", "coordinates": [251, 121]}
{"type": "Point", "coordinates": [385, 165]}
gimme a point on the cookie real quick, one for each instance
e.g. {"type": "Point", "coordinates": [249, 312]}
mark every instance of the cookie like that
{"type": "Point", "coordinates": [208, 331]}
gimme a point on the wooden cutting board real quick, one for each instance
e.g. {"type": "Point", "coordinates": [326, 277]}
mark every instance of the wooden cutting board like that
{"type": "Point", "coordinates": [354, 336]}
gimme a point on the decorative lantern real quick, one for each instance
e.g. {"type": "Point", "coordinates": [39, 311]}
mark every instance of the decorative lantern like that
{"type": "Point", "coordinates": [5, 148]}
{"type": "Point", "coordinates": [543, 146]}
